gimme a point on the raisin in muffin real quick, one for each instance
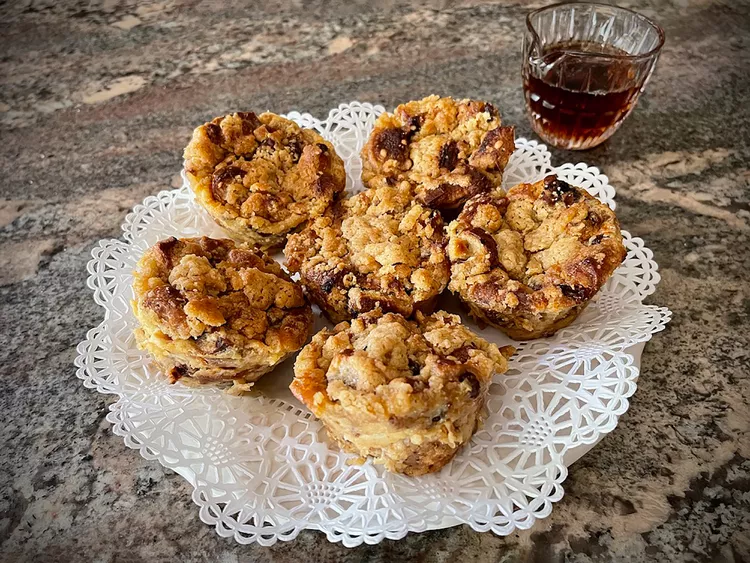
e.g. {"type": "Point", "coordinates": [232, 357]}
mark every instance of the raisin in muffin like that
{"type": "Point", "coordinates": [262, 177]}
{"type": "Point", "coordinates": [448, 150]}
{"type": "Point", "coordinates": [528, 263]}
{"type": "Point", "coordinates": [407, 393]}
{"type": "Point", "coordinates": [378, 248]}
{"type": "Point", "coordinates": [212, 311]}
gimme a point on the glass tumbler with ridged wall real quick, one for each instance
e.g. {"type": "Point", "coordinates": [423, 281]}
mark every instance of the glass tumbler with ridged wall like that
{"type": "Point", "coordinates": [584, 67]}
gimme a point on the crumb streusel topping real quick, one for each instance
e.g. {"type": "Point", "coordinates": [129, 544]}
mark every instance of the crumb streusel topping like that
{"type": "Point", "coordinates": [262, 176]}
{"type": "Point", "coordinates": [211, 310]}
{"type": "Point", "coordinates": [408, 393]}
{"type": "Point", "coordinates": [378, 248]}
{"type": "Point", "coordinates": [449, 150]}
{"type": "Point", "coordinates": [528, 262]}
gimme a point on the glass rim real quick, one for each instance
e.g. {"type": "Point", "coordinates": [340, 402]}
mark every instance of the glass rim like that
{"type": "Point", "coordinates": [627, 56]}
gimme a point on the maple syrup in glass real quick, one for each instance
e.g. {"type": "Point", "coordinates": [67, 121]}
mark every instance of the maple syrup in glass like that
{"type": "Point", "coordinates": [585, 65]}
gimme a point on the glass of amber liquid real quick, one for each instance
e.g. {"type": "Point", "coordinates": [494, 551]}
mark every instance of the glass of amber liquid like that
{"type": "Point", "coordinates": [584, 67]}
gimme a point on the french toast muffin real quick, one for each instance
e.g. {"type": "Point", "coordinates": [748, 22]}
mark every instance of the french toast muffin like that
{"type": "Point", "coordinates": [448, 150]}
{"type": "Point", "coordinates": [529, 262]}
{"type": "Point", "coordinates": [407, 393]}
{"type": "Point", "coordinates": [262, 176]}
{"type": "Point", "coordinates": [379, 248]}
{"type": "Point", "coordinates": [212, 311]}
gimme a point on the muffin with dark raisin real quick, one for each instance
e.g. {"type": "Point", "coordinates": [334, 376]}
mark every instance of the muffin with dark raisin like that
{"type": "Point", "coordinates": [262, 177]}
{"type": "Point", "coordinates": [212, 311]}
{"type": "Point", "coordinates": [448, 150]}
{"type": "Point", "coordinates": [407, 393]}
{"type": "Point", "coordinates": [529, 262]}
{"type": "Point", "coordinates": [379, 248]}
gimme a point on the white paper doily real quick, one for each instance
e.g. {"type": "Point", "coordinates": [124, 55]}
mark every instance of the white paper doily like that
{"type": "Point", "coordinates": [261, 467]}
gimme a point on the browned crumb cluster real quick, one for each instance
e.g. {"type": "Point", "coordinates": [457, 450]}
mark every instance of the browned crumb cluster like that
{"type": "Point", "coordinates": [377, 249]}
{"type": "Point", "coordinates": [407, 393]}
{"type": "Point", "coordinates": [262, 176]}
{"type": "Point", "coordinates": [447, 150]}
{"type": "Point", "coordinates": [214, 311]}
{"type": "Point", "coordinates": [529, 262]}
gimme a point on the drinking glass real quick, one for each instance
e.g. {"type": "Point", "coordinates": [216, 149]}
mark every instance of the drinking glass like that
{"type": "Point", "coordinates": [584, 67]}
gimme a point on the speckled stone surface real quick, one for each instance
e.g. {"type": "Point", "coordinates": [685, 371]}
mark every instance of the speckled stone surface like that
{"type": "Point", "coordinates": [99, 97]}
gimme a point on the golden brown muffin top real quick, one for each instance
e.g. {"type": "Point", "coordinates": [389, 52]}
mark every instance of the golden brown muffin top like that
{"type": "Point", "coordinates": [264, 169]}
{"type": "Point", "coordinates": [379, 245]}
{"type": "Point", "coordinates": [384, 367]}
{"type": "Point", "coordinates": [219, 294]}
{"type": "Point", "coordinates": [544, 246]}
{"type": "Point", "coordinates": [448, 149]}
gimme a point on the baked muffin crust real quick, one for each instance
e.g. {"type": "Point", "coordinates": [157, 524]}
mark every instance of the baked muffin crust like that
{"type": "Point", "coordinates": [212, 311]}
{"type": "Point", "coordinates": [408, 393]}
{"type": "Point", "coordinates": [529, 263]}
{"type": "Point", "coordinates": [449, 150]}
{"type": "Point", "coordinates": [378, 248]}
{"type": "Point", "coordinates": [262, 177]}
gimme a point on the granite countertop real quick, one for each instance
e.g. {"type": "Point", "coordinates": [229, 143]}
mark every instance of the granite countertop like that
{"type": "Point", "coordinates": [98, 99]}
